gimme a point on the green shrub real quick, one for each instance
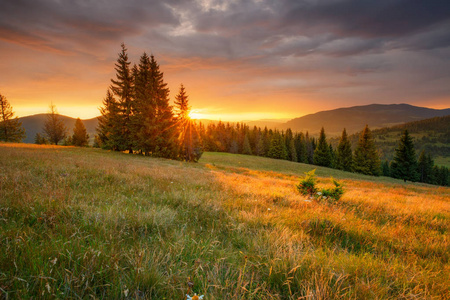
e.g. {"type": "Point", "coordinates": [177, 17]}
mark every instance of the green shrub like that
{"type": "Point", "coordinates": [333, 193]}
{"type": "Point", "coordinates": [307, 186]}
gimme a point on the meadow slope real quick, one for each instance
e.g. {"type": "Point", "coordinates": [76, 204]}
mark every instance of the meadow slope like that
{"type": "Point", "coordinates": [82, 223]}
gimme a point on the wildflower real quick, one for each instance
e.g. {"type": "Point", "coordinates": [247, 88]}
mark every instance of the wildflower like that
{"type": "Point", "coordinates": [195, 297]}
{"type": "Point", "coordinates": [319, 193]}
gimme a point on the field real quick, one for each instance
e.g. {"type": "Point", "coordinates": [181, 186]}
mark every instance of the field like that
{"type": "Point", "coordinates": [87, 223]}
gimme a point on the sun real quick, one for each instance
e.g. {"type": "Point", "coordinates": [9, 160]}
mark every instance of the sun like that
{"type": "Point", "coordinates": [194, 114]}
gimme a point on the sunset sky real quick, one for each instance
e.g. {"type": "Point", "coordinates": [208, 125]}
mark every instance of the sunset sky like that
{"type": "Point", "coordinates": [239, 60]}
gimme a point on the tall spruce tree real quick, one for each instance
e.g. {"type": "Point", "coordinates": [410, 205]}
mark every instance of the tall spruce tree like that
{"type": "Point", "coordinates": [144, 105]}
{"type": "Point", "coordinates": [404, 165]}
{"type": "Point", "coordinates": [158, 133]}
{"type": "Point", "coordinates": [80, 137]}
{"type": "Point", "coordinates": [189, 138]}
{"type": "Point", "coordinates": [344, 156]}
{"type": "Point", "coordinates": [122, 88]}
{"type": "Point", "coordinates": [366, 159]}
{"type": "Point", "coordinates": [54, 127]}
{"type": "Point", "coordinates": [109, 128]}
{"type": "Point", "coordinates": [11, 129]}
{"type": "Point", "coordinates": [322, 155]}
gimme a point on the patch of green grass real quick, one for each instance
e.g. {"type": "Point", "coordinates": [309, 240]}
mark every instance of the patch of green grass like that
{"type": "Point", "coordinates": [86, 223]}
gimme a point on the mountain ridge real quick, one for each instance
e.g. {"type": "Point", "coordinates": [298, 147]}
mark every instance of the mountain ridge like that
{"type": "Point", "coordinates": [352, 118]}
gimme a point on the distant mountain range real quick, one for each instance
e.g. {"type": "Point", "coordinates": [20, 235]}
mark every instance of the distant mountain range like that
{"type": "Point", "coordinates": [334, 121]}
{"type": "Point", "coordinates": [355, 118]}
{"type": "Point", "coordinates": [35, 124]}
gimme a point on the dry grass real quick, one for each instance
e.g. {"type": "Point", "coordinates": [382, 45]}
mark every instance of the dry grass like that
{"type": "Point", "coordinates": [81, 223]}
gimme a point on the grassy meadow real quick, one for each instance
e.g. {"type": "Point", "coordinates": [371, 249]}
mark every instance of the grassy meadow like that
{"type": "Point", "coordinates": [81, 223]}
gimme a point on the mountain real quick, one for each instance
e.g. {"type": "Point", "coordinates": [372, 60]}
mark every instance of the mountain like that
{"type": "Point", "coordinates": [355, 118]}
{"type": "Point", "coordinates": [35, 124]}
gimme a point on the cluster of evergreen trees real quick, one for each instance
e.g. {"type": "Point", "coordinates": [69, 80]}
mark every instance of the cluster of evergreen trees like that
{"type": "Point", "coordinates": [136, 116]}
{"type": "Point", "coordinates": [54, 131]}
{"type": "Point", "coordinates": [406, 166]}
{"type": "Point", "coordinates": [299, 147]}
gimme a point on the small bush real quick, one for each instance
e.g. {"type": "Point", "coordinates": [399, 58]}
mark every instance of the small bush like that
{"type": "Point", "coordinates": [333, 193]}
{"type": "Point", "coordinates": [307, 186]}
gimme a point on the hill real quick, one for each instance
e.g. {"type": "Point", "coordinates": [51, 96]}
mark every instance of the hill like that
{"type": "Point", "coordinates": [355, 118]}
{"type": "Point", "coordinates": [35, 124]}
{"type": "Point", "coordinates": [431, 135]}
{"type": "Point", "coordinates": [86, 223]}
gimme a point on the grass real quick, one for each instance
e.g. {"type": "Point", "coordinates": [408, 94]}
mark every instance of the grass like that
{"type": "Point", "coordinates": [86, 223]}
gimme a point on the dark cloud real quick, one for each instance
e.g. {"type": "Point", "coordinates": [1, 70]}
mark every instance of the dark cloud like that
{"type": "Point", "coordinates": [78, 22]}
{"type": "Point", "coordinates": [359, 49]}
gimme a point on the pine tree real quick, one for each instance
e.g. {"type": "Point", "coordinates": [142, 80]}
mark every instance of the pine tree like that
{"type": "Point", "coordinates": [11, 129]}
{"type": "Point", "coordinates": [158, 134]}
{"type": "Point", "coordinates": [425, 167]}
{"type": "Point", "coordinates": [404, 165]}
{"type": "Point", "coordinates": [246, 148]}
{"type": "Point", "coordinates": [344, 156]}
{"type": "Point", "coordinates": [122, 88]}
{"type": "Point", "coordinates": [109, 128]}
{"type": "Point", "coordinates": [189, 138]}
{"type": "Point", "coordinates": [80, 137]}
{"type": "Point", "coordinates": [310, 147]}
{"type": "Point", "coordinates": [322, 155]}
{"type": "Point", "coordinates": [144, 104]}
{"type": "Point", "coordinates": [54, 127]}
{"type": "Point", "coordinates": [292, 151]}
{"type": "Point", "coordinates": [40, 140]}
{"type": "Point", "coordinates": [366, 159]}
{"type": "Point", "coordinates": [277, 147]}
{"type": "Point", "coordinates": [385, 169]}
{"type": "Point", "coordinates": [300, 148]}
{"type": "Point", "coordinates": [290, 145]}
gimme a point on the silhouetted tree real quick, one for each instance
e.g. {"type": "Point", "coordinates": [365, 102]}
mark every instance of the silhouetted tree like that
{"type": "Point", "coordinates": [54, 127]}
{"type": "Point", "coordinates": [189, 138]}
{"type": "Point", "coordinates": [122, 88]}
{"type": "Point", "coordinates": [366, 159]}
{"type": "Point", "coordinates": [404, 165]}
{"type": "Point", "coordinates": [11, 129]}
{"type": "Point", "coordinates": [80, 137]}
{"type": "Point", "coordinates": [109, 128]}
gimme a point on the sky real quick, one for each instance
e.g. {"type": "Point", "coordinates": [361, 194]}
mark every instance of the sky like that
{"type": "Point", "coordinates": [238, 59]}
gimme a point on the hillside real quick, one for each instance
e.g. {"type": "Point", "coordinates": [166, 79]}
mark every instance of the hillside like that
{"type": "Point", "coordinates": [355, 118]}
{"type": "Point", "coordinates": [35, 124]}
{"type": "Point", "coordinates": [431, 135]}
{"type": "Point", "coordinates": [85, 223]}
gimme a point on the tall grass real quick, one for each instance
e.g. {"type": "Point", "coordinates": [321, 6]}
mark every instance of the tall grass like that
{"type": "Point", "coordinates": [81, 223]}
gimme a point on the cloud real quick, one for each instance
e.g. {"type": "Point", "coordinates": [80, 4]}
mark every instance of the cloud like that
{"type": "Point", "coordinates": [305, 50]}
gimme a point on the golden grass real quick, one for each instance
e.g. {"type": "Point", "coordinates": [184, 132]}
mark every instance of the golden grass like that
{"type": "Point", "coordinates": [80, 223]}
